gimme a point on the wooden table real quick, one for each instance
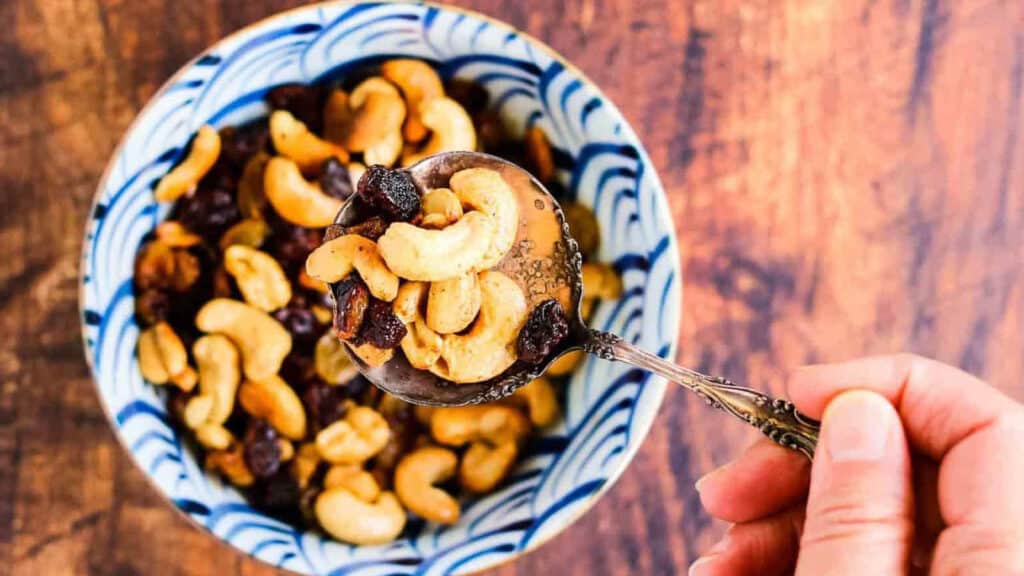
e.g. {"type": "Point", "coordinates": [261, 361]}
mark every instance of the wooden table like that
{"type": "Point", "coordinates": [846, 177]}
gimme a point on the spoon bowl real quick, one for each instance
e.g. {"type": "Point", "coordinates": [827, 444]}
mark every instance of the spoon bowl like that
{"type": "Point", "coordinates": [546, 263]}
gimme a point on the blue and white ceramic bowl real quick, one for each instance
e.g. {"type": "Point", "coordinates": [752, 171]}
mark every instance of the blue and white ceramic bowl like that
{"type": "Point", "coordinates": [609, 407]}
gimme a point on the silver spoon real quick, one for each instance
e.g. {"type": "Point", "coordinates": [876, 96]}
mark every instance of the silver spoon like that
{"type": "Point", "coordinates": [545, 261]}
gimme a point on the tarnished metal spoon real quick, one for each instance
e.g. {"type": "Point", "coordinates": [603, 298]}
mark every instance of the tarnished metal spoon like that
{"type": "Point", "coordinates": [545, 261]}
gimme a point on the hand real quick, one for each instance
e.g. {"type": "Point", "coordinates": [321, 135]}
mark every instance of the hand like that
{"type": "Point", "coordinates": [919, 467]}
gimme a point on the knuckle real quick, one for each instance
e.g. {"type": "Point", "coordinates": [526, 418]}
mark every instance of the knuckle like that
{"type": "Point", "coordinates": [274, 401]}
{"type": "Point", "coordinates": [415, 477]}
{"type": "Point", "coordinates": [259, 277]}
{"type": "Point", "coordinates": [261, 340]}
{"type": "Point", "coordinates": [296, 199]}
{"type": "Point", "coordinates": [185, 176]}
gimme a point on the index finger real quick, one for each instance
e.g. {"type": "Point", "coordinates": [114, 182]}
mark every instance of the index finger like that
{"type": "Point", "coordinates": [940, 405]}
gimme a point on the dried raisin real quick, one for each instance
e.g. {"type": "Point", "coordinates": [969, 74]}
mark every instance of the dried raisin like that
{"type": "Point", "coordinates": [390, 192]}
{"type": "Point", "coordinates": [323, 403]}
{"type": "Point", "coordinates": [261, 450]}
{"type": "Point", "coordinates": [351, 297]}
{"type": "Point", "coordinates": [382, 327]}
{"type": "Point", "coordinates": [305, 102]}
{"type": "Point", "coordinates": [334, 179]}
{"type": "Point", "coordinates": [544, 329]}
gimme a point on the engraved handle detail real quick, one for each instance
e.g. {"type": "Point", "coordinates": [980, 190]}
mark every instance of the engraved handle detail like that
{"type": "Point", "coordinates": [775, 418]}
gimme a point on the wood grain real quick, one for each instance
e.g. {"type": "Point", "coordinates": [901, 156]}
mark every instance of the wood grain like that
{"type": "Point", "coordinates": [846, 178]}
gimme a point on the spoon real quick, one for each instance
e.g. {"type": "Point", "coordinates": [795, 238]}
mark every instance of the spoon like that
{"type": "Point", "coordinates": [545, 261]}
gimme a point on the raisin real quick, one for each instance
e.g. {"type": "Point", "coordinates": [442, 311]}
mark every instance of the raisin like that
{"type": "Point", "coordinates": [307, 505]}
{"type": "Point", "coordinates": [186, 271]}
{"type": "Point", "coordinates": [382, 327]}
{"type": "Point", "coordinates": [403, 436]}
{"type": "Point", "coordinates": [351, 297]}
{"type": "Point", "coordinates": [301, 324]}
{"type": "Point", "coordinates": [261, 450]}
{"type": "Point", "coordinates": [296, 368]}
{"type": "Point", "coordinates": [176, 402]}
{"type": "Point", "coordinates": [208, 212]}
{"type": "Point", "coordinates": [323, 403]}
{"type": "Point", "coordinates": [278, 494]}
{"type": "Point", "coordinates": [390, 192]}
{"type": "Point", "coordinates": [240, 143]}
{"type": "Point", "coordinates": [158, 266]}
{"type": "Point", "coordinates": [470, 95]}
{"type": "Point", "coordinates": [305, 102]}
{"type": "Point", "coordinates": [373, 228]}
{"type": "Point", "coordinates": [152, 306]}
{"type": "Point", "coordinates": [291, 244]}
{"type": "Point", "coordinates": [490, 131]}
{"type": "Point", "coordinates": [334, 179]}
{"type": "Point", "coordinates": [544, 329]}
{"type": "Point", "coordinates": [356, 387]}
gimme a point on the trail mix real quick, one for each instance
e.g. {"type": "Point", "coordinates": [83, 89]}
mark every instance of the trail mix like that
{"type": "Point", "coordinates": [246, 341]}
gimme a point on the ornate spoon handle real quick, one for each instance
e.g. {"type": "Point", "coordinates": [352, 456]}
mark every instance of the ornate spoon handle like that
{"type": "Point", "coordinates": [775, 418]}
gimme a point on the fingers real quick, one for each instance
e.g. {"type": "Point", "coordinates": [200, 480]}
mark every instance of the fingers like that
{"type": "Point", "coordinates": [765, 480]}
{"type": "Point", "coordinates": [860, 505]}
{"type": "Point", "coordinates": [939, 404]}
{"type": "Point", "coordinates": [766, 547]}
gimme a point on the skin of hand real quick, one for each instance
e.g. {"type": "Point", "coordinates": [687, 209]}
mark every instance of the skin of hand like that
{"type": "Point", "coordinates": [919, 470]}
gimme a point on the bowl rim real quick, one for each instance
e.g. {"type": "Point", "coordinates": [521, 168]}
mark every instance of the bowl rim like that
{"type": "Point", "coordinates": [662, 214]}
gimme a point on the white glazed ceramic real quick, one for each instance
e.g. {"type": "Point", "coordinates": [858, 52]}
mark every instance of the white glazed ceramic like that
{"type": "Point", "coordinates": [609, 408]}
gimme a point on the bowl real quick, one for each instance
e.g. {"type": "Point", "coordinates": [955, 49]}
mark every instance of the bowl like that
{"type": "Point", "coordinates": [609, 407]}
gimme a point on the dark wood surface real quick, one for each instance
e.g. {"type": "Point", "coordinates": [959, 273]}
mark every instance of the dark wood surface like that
{"type": "Point", "coordinates": [846, 177]}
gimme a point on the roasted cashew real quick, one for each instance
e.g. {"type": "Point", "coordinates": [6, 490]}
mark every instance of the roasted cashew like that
{"type": "Point", "coordinates": [371, 355]}
{"type": "Point", "coordinates": [286, 449]}
{"type": "Point", "coordinates": [175, 235]}
{"type": "Point", "coordinates": [540, 400]}
{"type": "Point", "coordinates": [377, 114]}
{"type": "Point", "coordinates": [296, 199]}
{"type": "Point", "coordinates": [161, 354]}
{"type": "Point", "coordinates": [250, 232]}
{"type": "Point", "coordinates": [354, 439]}
{"type": "Point", "coordinates": [495, 423]}
{"type": "Point", "coordinates": [185, 176]}
{"type": "Point", "coordinates": [441, 207]}
{"type": "Point", "coordinates": [335, 259]}
{"type": "Point", "coordinates": [198, 410]}
{"type": "Point", "coordinates": [415, 477]}
{"type": "Point", "coordinates": [453, 303]}
{"type": "Point", "coordinates": [353, 478]}
{"type": "Point", "coordinates": [538, 155]}
{"type": "Point", "coordinates": [483, 467]}
{"type": "Point", "coordinates": [565, 363]}
{"type": "Point", "coordinates": [600, 281]}
{"type": "Point", "coordinates": [355, 172]}
{"type": "Point", "coordinates": [186, 380]}
{"type": "Point", "coordinates": [294, 140]}
{"type": "Point", "coordinates": [214, 436]}
{"type": "Point", "coordinates": [385, 151]}
{"type": "Point", "coordinates": [418, 82]}
{"type": "Point", "coordinates": [262, 341]}
{"type": "Point", "coordinates": [259, 277]}
{"type": "Point", "coordinates": [347, 518]}
{"type": "Point", "coordinates": [231, 464]}
{"type": "Point", "coordinates": [451, 127]}
{"type": "Point", "coordinates": [217, 359]}
{"type": "Point", "coordinates": [485, 190]}
{"type": "Point", "coordinates": [250, 198]}
{"type": "Point", "coordinates": [416, 253]}
{"type": "Point", "coordinates": [409, 301]}
{"type": "Point", "coordinates": [490, 345]}
{"type": "Point", "coordinates": [305, 463]}
{"type": "Point", "coordinates": [331, 362]}
{"type": "Point", "coordinates": [273, 400]}
{"type": "Point", "coordinates": [421, 345]}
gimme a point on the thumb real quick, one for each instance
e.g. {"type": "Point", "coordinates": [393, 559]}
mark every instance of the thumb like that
{"type": "Point", "coordinates": [860, 505]}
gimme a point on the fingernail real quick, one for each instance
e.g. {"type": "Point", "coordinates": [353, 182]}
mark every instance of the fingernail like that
{"type": "Point", "coordinates": [703, 566]}
{"type": "Point", "coordinates": [700, 481]}
{"type": "Point", "coordinates": [857, 426]}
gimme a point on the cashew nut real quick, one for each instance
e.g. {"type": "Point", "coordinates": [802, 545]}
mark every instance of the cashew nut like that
{"type": "Point", "coordinates": [347, 518]}
{"type": "Point", "coordinates": [452, 129]}
{"type": "Point", "coordinates": [294, 140]}
{"type": "Point", "coordinates": [495, 423]}
{"type": "Point", "coordinates": [214, 436]}
{"type": "Point", "coordinates": [186, 380]}
{"type": "Point", "coordinates": [353, 478]}
{"type": "Point", "coordinates": [541, 401]}
{"type": "Point", "coordinates": [415, 477]}
{"type": "Point", "coordinates": [217, 359]}
{"type": "Point", "coordinates": [262, 341]}
{"type": "Point", "coordinates": [538, 154]}
{"type": "Point", "coordinates": [565, 363]}
{"type": "Point", "coordinates": [453, 303]}
{"type": "Point", "coordinates": [175, 235]}
{"type": "Point", "coordinates": [421, 345]}
{"type": "Point", "coordinates": [250, 197]}
{"type": "Point", "coordinates": [489, 347]}
{"type": "Point", "coordinates": [371, 355]}
{"type": "Point", "coordinates": [337, 116]}
{"type": "Point", "coordinates": [441, 207]}
{"type": "Point", "coordinates": [385, 151]}
{"type": "Point", "coordinates": [286, 449]}
{"type": "Point", "coordinates": [484, 467]}
{"type": "Point", "coordinates": [161, 354]}
{"type": "Point", "coordinates": [355, 172]}
{"type": "Point", "coordinates": [198, 410]}
{"type": "Point", "coordinates": [231, 464]}
{"type": "Point", "coordinates": [296, 199]}
{"type": "Point", "coordinates": [305, 463]}
{"type": "Point", "coordinates": [259, 277]}
{"type": "Point", "coordinates": [377, 113]}
{"type": "Point", "coordinates": [409, 301]}
{"type": "Point", "coordinates": [331, 362]}
{"type": "Point", "coordinates": [249, 232]}
{"type": "Point", "coordinates": [273, 400]}
{"type": "Point", "coordinates": [600, 281]}
{"type": "Point", "coordinates": [335, 259]}
{"type": "Point", "coordinates": [416, 253]}
{"type": "Point", "coordinates": [485, 190]}
{"type": "Point", "coordinates": [354, 439]}
{"type": "Point", "coordinates": [185, 176]}
{"type": "Point", "coordinates": [418, 82]}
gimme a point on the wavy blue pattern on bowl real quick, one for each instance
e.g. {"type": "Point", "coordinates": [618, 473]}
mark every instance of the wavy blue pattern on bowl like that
{"type": "Point", "coordinates": [609, 407]}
